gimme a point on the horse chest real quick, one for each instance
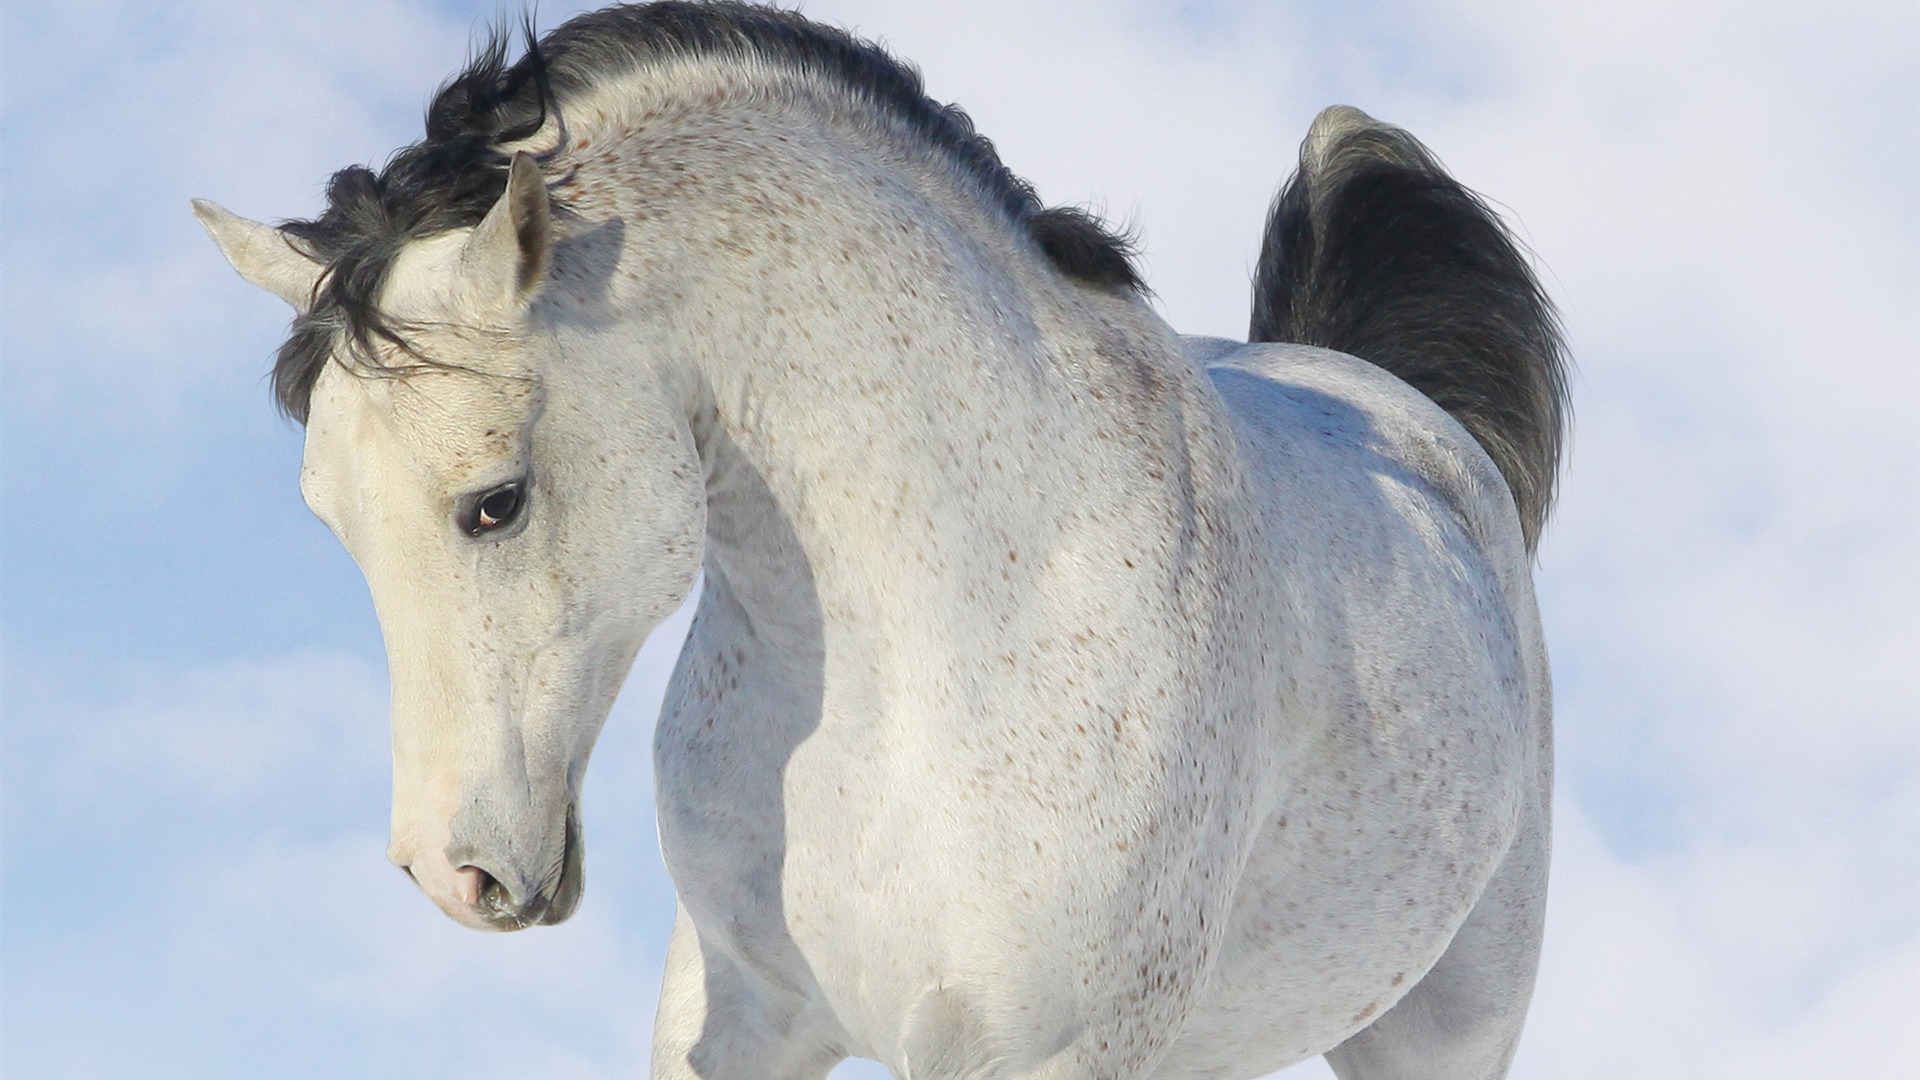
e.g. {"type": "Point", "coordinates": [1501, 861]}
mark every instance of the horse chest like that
{"type": "Point", "coordinates": [1030, 857]}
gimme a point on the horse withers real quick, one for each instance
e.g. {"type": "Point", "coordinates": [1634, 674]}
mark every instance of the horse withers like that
{"type": "Point", "coordinates": [1066, 698]}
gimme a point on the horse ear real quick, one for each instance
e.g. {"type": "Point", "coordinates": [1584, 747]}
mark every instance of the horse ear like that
{"type": "Point", "coordinates": [264, 255]}
{"type": "Point", "coordinates": [508, 255]}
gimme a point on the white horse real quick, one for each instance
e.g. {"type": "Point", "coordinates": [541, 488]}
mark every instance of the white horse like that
{"type": "Point", "coordinates": [1066, 699]}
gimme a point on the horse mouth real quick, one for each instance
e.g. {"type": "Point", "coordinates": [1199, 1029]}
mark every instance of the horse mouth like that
{"type": "Point", "coordinates": [557, 897]}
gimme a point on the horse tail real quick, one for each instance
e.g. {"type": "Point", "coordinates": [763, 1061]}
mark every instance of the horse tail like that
{"type": "Point", "coordinates": [1373, 250]}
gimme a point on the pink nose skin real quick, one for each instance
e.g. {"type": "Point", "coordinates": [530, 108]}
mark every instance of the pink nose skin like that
{"type": "Point", "coordinates": [467, 882]}
{"type": "Point", "coordinates": [455, 889]}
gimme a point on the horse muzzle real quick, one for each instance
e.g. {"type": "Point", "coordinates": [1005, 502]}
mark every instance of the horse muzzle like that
{"type": "Point", "coordinates": [487, 893]}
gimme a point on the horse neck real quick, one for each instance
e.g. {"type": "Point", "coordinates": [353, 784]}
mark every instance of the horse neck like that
{"type": "Point", "coordinates": [895, 395]}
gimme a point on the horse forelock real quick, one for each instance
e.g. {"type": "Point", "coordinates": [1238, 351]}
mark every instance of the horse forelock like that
{"type": "Point", "coordinates": [452, 177]}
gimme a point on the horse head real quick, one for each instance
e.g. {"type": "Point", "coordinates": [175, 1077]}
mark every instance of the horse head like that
{"type": "Point", "coordinates": [519, 546]}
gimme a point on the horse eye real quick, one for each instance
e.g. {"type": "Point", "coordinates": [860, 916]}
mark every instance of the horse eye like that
{"type": "Point", "coordinates": [495, 508]}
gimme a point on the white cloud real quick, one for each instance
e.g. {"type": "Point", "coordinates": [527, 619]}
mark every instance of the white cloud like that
{"type": "Point", "coordinates": [230, 737]}
{"type": "Point", "coordinates": [197, 886]}
{"type": "Point", "coordinates": [1674, 968]}
{"type": "Point", "coordinates": [130, 110]}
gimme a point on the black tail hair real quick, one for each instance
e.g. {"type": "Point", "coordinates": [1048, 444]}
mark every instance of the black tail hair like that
{"type": "Point", "coordinates": [1373, 250]}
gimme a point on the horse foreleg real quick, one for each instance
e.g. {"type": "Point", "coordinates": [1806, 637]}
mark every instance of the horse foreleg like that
{"type": "Point", "coordinates": [1462, 1021]}
{"type": "Point", "coordinates": [716, 1023]}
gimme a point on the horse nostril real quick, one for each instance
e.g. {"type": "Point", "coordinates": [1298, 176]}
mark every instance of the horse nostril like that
{"type": "Point", "coordinates": [493, 896]}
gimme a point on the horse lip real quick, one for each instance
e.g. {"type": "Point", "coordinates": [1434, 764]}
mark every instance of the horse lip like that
{"type": "Point", "coordinates": [558, 904]}
{"type": "Point", "coordinates": [563, 898]}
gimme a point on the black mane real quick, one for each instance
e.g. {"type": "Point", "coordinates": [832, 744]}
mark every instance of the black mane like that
{"type": "Point", "coordinates": [451, 178]}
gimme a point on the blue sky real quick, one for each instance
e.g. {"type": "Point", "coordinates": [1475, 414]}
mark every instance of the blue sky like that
{"type": "Point", "coordinates": [1722, 198]}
